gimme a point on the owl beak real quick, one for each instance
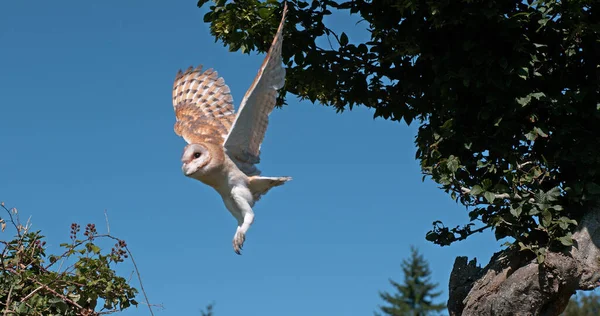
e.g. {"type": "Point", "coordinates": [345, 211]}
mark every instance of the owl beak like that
{"type": "Point", "coordinates": [186, 170]}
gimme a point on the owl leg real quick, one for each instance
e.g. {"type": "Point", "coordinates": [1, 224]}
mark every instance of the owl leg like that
{"type": "Point", "coordinates": [244, 225]}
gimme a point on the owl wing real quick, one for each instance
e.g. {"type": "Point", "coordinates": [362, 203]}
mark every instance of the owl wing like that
{"type": "Point", "coordinates": [203, 106]}
{"type": "Point", "coordinates": [242, 144]}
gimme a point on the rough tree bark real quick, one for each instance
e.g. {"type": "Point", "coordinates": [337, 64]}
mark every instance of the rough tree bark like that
{"type": "Point", "coordinates": [514, 284]}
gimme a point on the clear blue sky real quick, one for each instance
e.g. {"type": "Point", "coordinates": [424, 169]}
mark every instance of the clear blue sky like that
{"type": "Point", "coordinates": [86, 124]}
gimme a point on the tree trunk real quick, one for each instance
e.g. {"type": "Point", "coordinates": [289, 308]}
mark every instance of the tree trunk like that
{"type": "Point", "coordinates": [515, 284]}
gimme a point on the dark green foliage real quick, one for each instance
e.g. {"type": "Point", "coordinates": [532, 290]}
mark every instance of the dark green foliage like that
{"type": "Point", "coordinates": [506, 95]}
{"type": "Point", "coordinates": [415, 295]}
{"type": "Point", "coordinates": [78, 281]}
{"type": "Point", "coordinates": [209, 310]}
{"type": "Point", "coordinates": [585, 305]}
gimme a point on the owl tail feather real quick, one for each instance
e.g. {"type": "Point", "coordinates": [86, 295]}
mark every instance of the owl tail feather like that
{"type": "Point", "coordinates": [261, 185]}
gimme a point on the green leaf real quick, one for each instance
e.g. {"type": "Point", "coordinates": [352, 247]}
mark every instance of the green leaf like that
{"type": "Point", "coordinates": [592, 188]}
{"type": "Point", "coordinates": [452, 163]}
{"type": "Point", "coordinates": [541, 258]}
{"type": "Point", "coordinates": [516, 212]}
{"type": "Point", "coordinates": [539, 131]}
{"type": "Point", "coordinates": [343, 39]}
{"type": "Point", "coordinates": [431, 236]}
{"type": "Point", "coordinates": [487, 183]}
{"type": "Point", "coordinates": [564, 222]}
{"type": "Point", "coordinates": [537, 95]}
{"type": "Point", "coordinates": [95, 249]}
{"type": "Point", "coordinates": [489, 196]}
{"type": "Point", "coordinates": [299, 58]}
{"type": "Point", "coordinates": [531, 136]}
{"type": "Point", "coordinates": [523, 72]}
{"type": "Point", "coordinates": [546, 218]}
{"type": "Point", "coordinates": [552, 194]}
{"type": "Point", "coordinates": [524, 101]}
{"type": "Point", "coordinates": [264, 13]}
{"type": "Point", "coordinates": [566, 240]}
{"type": "Point", "coordinates": [476, 190]}
{"type": "Point", "coordinates": [523, 247]}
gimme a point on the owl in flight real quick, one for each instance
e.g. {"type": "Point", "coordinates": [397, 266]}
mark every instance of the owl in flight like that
{"type": "Point", "coordinates": [224, 146]}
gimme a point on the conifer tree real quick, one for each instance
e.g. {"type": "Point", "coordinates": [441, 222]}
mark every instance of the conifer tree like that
{"type": "Point", "coordinates": [585, 305]}
{"type": "Point", "coordinates": [415, 295]}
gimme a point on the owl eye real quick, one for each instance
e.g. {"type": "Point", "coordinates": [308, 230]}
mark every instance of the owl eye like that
{"type": "Point", "coordinates": [196, 155]}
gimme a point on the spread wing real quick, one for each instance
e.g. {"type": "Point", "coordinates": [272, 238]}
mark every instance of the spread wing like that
{"type": "Point", "coordinates": [203, 106]}
{"type": "Point", "coordinates": [248, 130]}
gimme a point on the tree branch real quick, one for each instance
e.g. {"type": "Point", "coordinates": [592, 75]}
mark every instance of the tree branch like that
{"type": "Point", "coordinates": [513, 283]}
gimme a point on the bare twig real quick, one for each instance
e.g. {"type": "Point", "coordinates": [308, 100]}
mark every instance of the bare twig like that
{"type": "Point", "coordinates": [519, 166]}
{"type": "Point", "coordinates": [107, 224]}
{"type": "Point", "coordinates": [31, 294]}
{"type": "Point", "coordinates": [12, 219]}
{"type": "Point", "coordinates": [478, 230]}
{"type": "Point", "coordinates": [8, 301]}
{"type": "Point", "coordinates": [501, 195]}
{"type": "Point", "coordinates": [137, 271]}
{"type": "Point", "coordinates": [63, 297]}
{"type": "Point", "coordinates": [49, 289]}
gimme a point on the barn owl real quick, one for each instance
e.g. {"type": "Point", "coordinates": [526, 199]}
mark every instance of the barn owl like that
{"type": "Point", "coordinates": [223, 147]}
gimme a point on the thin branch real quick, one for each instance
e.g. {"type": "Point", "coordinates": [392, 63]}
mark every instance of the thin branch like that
{"type": "Point", "coordinates": [137, 271]}
{"type": "Point", "coordinates": [31, 294]}
{"type": "Point", "coordinates": [12, 219]}
{"type": "Point", "coordinates": [478, 230]}
{"type": "Point", "coordinates": [107, 224]}
{"type": "Point", "coordinates": [49, 289]}
{"type": "Point", "coordinates": [496, 195]}
{"type": "Point", "coordinates": [519, 166]}
{"type": "Point", "coordinates": [8, 301]}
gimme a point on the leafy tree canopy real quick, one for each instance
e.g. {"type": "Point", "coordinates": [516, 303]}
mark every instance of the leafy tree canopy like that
{"type": "Point", "coordinates": [506, 95]}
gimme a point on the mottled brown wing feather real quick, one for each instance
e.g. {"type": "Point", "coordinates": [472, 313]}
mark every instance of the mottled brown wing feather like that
{"type": "Point", "coordinates": [248, 130]}
{"type": "Point", "coordinates": [203, 106]}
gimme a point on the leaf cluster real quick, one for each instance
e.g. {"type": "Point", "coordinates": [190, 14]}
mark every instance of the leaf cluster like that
{"type": "Point", "coordinates": [506, 95]}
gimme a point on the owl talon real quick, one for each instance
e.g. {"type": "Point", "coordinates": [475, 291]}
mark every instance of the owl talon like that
{"type": "Point", "coordinates": [238, 242]}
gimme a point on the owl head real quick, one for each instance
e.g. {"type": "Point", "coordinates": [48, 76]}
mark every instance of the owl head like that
{"type": "Point", "coordinates": [201, 160]}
